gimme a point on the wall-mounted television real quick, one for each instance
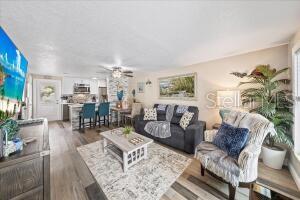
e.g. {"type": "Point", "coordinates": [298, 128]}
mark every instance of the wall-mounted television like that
{"type": "Point", "coordinates": [13, 69]}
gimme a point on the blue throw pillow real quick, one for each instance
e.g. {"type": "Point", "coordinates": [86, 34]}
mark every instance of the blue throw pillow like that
{"type": "Point", "coordinates": [231, 139]}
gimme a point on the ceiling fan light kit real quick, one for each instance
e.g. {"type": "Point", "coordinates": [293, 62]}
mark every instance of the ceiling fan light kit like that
{"type": "Point", "coordinates": [148, 82]}
{"type": "Point", "coordinates": [116, 73]}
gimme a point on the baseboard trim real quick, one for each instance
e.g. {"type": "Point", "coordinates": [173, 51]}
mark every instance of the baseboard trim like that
{"type": "Point", "coordinates": [294, 175]}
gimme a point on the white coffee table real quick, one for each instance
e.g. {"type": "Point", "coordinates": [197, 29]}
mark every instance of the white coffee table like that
{"type": "Point", "coordinates": [115, 142]}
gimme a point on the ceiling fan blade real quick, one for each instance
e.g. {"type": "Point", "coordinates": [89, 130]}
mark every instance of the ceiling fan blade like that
{"type": "Point", "coordinates": [103, 72]}
{"type": "Point", "coordinates": [127, 72]}
{"type": "Point", "coordinates": [105, 68]}
{"type": "Point", "coordinates": [128, 75]}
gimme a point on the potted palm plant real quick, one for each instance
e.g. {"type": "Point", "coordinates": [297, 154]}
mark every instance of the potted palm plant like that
{"type": "Point", "coordinates": [270, 98]}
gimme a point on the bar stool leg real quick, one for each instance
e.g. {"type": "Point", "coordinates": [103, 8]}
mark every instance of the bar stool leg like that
{"type": "Point", "coordinates": [79, 122]}
{"type": "Point", "coordinates": [99, 121]}
{"type": "Point", "coordinates": [108, 120]}
{"type": "Point", "coordinates": [83, 123]}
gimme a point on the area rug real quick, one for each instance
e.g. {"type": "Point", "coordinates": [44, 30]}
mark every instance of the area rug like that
{"type": "Point", "coordinates": [147, 180]}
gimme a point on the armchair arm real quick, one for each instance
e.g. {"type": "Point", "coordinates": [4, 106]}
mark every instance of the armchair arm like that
{"type": "Point", "coordinates": [209, 135]}
{"type": "Point", "coordinates": [248, 162]}
{"type": "Point", "coordinates": [193, 136]}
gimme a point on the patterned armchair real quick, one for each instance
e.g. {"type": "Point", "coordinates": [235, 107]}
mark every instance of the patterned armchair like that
{"type": "Point", "coordinates": [243, 171]}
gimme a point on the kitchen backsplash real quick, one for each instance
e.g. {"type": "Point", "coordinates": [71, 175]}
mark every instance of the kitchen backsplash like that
{"type": "Point", "coordinates": [79, 98]}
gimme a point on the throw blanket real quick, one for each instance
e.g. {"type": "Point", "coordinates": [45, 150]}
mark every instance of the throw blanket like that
{"type": "Point", "coordinates": [159, 129]}
{"type": "Point", "coordinates": [219, 162]}
{"type": "Point", "coordinates": [169, 113]}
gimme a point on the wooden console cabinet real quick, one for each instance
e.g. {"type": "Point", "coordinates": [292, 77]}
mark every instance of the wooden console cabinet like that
{"type": "Point", "coordinates": [26, 175]}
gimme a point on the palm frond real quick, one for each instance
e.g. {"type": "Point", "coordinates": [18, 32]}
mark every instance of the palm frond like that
{"type": "Point", "coordinates": [248, 82]}
{"type": "Point", "coordinates": [279, 72]}
{"type": "Point", "coordinates": [284, 81]}
{"type": "Point", "coordinates": [268, 99]}
{"type": "Point", "coordinates": [282, 136]}
{"type": "Point", "coordinates": [238, 74]}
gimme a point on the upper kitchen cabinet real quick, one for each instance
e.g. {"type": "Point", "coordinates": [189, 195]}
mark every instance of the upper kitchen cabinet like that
{"type": "Point", "coordinates": [93, 86]}
{"type": "Point", "coordinates": [68, 84]}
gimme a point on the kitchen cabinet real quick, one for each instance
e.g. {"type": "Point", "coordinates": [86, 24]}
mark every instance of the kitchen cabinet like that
{"type": "Point", "coordinates": [68, 84]}
{"type": "Point", "coordinates": [94, 86]}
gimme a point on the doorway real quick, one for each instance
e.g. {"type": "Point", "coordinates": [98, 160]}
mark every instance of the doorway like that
{"type": "Point", "coordinates": [46, 99]}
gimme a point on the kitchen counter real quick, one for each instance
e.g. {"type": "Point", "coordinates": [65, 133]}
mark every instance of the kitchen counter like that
{"type": "Point", "coordinates": [80, 105]}
{"type": "Point", "coordinates": [74, 111]}
{"type": "Point", "coordinates": [66, 103]}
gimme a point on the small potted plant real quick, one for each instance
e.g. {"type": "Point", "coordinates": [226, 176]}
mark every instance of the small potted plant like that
{"type": "Point", "coordinates": [127, 130]}
{"type": "Point", "coordinates": [274, 103]}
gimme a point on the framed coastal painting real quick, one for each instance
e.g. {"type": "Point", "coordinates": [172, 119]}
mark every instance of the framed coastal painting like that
{"type": "Point", "coordinates": [141, 87]}
{"type": "Point", "coordinates": [182, 87]}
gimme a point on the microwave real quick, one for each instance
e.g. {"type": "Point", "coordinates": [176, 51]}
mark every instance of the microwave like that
{"type": "Point", "coordinates": [81, 88]}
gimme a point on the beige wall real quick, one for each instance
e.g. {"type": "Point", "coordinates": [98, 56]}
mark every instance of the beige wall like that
{"type": "Point", "coordinates": [212, 76]}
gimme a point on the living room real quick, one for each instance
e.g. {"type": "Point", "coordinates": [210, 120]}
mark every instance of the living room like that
{"type": "Point", "coordinates": [149, 100]}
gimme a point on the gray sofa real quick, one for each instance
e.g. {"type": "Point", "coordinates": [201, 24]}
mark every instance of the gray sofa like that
{"type": "Point", "coordinates": [186, 140]}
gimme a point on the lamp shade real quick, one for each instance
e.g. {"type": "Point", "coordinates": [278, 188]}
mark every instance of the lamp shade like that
{"type": "Point", "coordinates": [228, 98]}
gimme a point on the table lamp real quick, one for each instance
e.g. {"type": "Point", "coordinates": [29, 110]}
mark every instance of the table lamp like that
{"type": "Point", "coordinates": [227, 99]}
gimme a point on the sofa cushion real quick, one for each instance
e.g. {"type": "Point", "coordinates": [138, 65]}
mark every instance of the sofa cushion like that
{"type": "Point", "coordinates": [186, 119]}
{"type": "Point", "coordinates": [150, 114]}
{"type": "Point", "coordinates": [161, 108]}
{"type": "Point", "coordinates": [194, 110]}
{"type": "Point", "coordinates": [177, 137]}
{"type": "Point", "coordinates": [181, 109]}
{"type": "Point", "coordinates": [231, 139]}
{"type": "Point", "coordinates": [177, 116]}
{"type": "Point", "coordinates": [161, 117]}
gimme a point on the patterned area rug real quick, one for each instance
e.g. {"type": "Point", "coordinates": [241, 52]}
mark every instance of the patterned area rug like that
{"type": "Point", "coordinates": [148, 180]}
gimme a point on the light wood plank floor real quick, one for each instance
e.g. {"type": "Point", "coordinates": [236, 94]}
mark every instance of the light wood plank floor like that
{"type": "Point", "coordinates": [71, 179]}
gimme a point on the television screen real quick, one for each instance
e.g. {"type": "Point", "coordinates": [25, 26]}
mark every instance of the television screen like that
{"type": "Point", "coordinates": [13, 69]}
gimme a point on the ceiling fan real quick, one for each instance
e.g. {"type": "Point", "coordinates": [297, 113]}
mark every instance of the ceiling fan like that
{"type": "Point", "coordinates": [118, 72]}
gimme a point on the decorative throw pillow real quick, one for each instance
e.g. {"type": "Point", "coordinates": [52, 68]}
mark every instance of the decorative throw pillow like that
{"type": "Point", "coordinates": [181, 109]}
{"type": "Point", "coordinates": [185, 119]}
{"type": "Point", "coordinates": [150, 114]}
{"type": "Point", "coordinates": [161, 107]}
{"type": "Point", "coordinates": [231, 139]}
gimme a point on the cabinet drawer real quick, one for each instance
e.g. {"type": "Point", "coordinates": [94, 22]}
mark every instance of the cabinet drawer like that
{"type": "Point", "coordinates": [21, 178]}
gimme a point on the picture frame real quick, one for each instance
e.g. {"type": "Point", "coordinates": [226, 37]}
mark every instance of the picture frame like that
{"type": "Point", "coordinates": [180, 87]}
{"type": "Point", "coordinates": [141, 87]}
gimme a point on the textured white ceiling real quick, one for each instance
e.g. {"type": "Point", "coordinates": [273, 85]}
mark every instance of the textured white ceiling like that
{"type": "Point", "coordinates": [75, 37]}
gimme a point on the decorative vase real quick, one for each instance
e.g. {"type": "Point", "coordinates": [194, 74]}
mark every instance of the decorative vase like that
{"type": "Point", "coordinates": [273, 157]}
{"type": "Point", "coordinates": [120, 95]}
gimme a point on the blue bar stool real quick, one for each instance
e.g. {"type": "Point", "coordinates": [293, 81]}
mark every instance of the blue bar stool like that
{"type": "Point", "coordinates": [103, 111]}
{"type": "Point", "coordinates": [88, 111]}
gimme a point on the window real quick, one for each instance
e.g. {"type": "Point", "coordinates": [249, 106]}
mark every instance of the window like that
{"type": "Point", "coordinates": [296, 76]}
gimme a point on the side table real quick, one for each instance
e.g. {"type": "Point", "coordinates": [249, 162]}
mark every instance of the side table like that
{"type": "Point", "coordinates": [216, 126]}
